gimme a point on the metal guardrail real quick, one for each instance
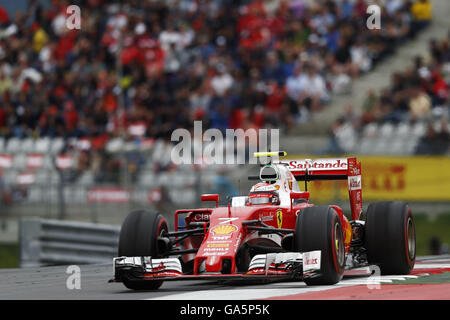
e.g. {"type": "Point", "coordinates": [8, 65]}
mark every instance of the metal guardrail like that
{"type": "Point", "coordinates": [53, 242]}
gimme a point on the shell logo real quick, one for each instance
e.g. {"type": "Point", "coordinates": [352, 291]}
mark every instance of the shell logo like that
{"type": "Point", "coordinates": [224, 229]}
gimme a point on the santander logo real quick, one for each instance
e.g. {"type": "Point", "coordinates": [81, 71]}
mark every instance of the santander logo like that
{"type": "Point", "coordinates": [339, 164]}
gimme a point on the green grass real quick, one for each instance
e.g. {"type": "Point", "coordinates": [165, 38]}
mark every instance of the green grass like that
{"type": "Point", "coordinates": [427, 227]}
{"type": "Point", "coordinates": [433, 278]}
{"type": "Point", "coordinates": [9, 255]}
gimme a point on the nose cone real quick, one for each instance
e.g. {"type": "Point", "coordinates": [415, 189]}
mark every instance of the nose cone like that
{"type": "Point", "coordinates": [218, 250]}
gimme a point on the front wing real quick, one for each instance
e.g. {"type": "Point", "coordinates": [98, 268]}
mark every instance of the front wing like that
{"type": "Point", "coordinates": [275, 266]}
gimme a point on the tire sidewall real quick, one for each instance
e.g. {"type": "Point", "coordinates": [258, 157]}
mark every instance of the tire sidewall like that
{"type": "Point", "coordinates": [410, 260]}
{"type": "Point", "coordinates": [315, 230]}
{"type": "Point", "coordinates": [336, 265]}
{"type": "Point", "coordinates": [386, 237]}
{"type": "Point", "coordinates": [138, 237]}
{"type": "Point", "coordinates": [139, 232]}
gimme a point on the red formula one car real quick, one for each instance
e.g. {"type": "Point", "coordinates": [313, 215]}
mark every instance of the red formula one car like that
{"type": "Point", "coordinates": [273, 233]}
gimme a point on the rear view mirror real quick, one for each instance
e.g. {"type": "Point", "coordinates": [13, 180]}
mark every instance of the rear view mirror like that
{"type": "Point", "coordinates": [211, 197]}
{"type": "Point", "coordinates": [299, 195]}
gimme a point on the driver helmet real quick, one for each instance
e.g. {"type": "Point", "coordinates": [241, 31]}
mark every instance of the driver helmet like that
{"type": "Point", "coordinates": [263, 193]}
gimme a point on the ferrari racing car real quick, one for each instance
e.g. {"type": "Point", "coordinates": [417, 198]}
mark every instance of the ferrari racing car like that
{"type": "Point", "coordinates": [273, 233]}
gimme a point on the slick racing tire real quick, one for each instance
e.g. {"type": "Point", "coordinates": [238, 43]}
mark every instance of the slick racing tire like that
{"type": "Point", "coordinates": [138, 235]}
{"type": "Point", "coordinates": [319, 228]}
{"type": "Point", "coordinates": [390, 237]}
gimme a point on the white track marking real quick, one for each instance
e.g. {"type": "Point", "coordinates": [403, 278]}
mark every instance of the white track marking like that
{"type": "Point", "coordinates": [246, 294]}
{"type": "Point", "coordinates": [365, 281]}
{"type": "Point", "coordinates": [400, 277]}
{"type": "Point", "coordinates": [431, 265]}
{"type": "Point", "coordinates": [280, 289]}
{"type": "Point", "coordinates": [283, 289]}
{"type": "Point", "coordinates": [381, 280]}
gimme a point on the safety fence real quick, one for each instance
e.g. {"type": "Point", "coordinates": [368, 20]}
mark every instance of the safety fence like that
{"type": "Point", "coordinates": [52, 242]}
{"type": "Point", "coordinates": [413, 179]}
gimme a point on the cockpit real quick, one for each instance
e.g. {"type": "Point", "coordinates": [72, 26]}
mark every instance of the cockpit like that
{"type": "Point", "coordinates": [264, 197]}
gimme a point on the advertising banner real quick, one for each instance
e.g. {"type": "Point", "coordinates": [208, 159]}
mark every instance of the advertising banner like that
{"type": "Point", "coordinates": [391, 178]}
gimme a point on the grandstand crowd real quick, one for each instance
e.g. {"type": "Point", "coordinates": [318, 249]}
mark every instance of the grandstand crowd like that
{"type": "Point", "coordinates": [145, 68]}
{"type": "Point", "coordinates": [419, 94]}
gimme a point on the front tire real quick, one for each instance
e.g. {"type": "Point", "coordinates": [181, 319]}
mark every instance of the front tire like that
{"type": "Point", "coordinates": [137, 238]}
{"type": "Point", "coordinates": [390, 237]}
{"type": "Point", "coordinates": [320, 228]}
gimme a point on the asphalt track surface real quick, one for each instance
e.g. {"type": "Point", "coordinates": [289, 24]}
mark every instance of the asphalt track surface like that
{"type": "Point", "coordinates": [429, 280]}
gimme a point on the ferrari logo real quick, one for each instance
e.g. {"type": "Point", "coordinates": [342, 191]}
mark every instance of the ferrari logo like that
{"type": "Point", "coordinates": [279, 218]}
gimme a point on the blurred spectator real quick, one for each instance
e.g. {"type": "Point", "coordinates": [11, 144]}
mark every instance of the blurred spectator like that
{"type": "Point", "coordinates": [422, 14]}
{"type": "Point", "coordinates": [139, 70]}
{"type": "Point", "coordinates": [369, 107]}
{"type": "Point", "coordinates": [5, 197]}
{"type": "Point", "coordinates": [434, 143]}
{"type": "Point", "coordinates": [170, 51]}
{"type": "Point", "coordinates": [343, 135]}
{"type": "Point", "coordinates": [334, 146]}
{"type": "Point", "coordinates": [222, 81]}
{"type": "Point", "coordinates": [313, 89]}
{"type": "Point", "coordinates": [418, 94]}
{"type": "Point", "coordinates": [419, 103]}
{"type": "Point", "coordinates": [294, 85]}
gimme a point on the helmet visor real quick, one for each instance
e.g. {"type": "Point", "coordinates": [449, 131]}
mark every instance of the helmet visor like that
{"type": "Point", "coordinates": [262, 198]}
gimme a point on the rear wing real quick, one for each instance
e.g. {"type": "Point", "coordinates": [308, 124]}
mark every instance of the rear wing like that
{"type": "Point", "coordinates": [331, 169]}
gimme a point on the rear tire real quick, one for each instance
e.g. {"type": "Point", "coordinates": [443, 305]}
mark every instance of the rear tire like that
{"type": "Point", "coordinates": [320, 228]}
{"type": "Point", "coordinates": [390, 237]}
{"type": "Point", "coordinates": [138, 235]}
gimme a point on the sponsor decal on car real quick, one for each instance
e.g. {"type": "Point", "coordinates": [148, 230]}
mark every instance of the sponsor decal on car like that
{"type": "Point", "coordinates": [218, 245]}
{"type": "Point", "coordinates": [201, 216]}
{"type": "Point", "coordinates": [279, 218]}
{"type": "Point", "coordinates": [215, 249]}
{"type": "Point", "coordinates": [224, 229]}
{"type": "Point", "coordinates": [311, 262]}
{"type": "Point", "coordinates": [317, 164]}
{"type": "Point", "coordinates": [265, 216]}
{"type": "Point", "coordinates": [215, 253]}
{"type": "Point", "coordinates": [354, 183]}
{"type": "Point", "coordinates": [225, 238]}
{"type": "Point", "coordinates": [264, 187]}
